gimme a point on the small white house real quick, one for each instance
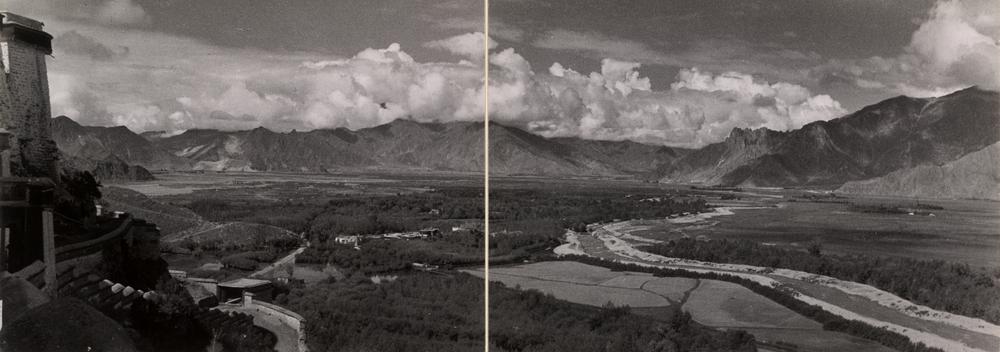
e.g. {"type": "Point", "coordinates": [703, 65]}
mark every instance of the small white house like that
{"type": "Point", "coordinates": [346, 240]}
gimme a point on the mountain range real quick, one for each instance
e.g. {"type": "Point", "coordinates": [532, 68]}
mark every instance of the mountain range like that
{"type": "Point", "coordinates": [896, 134]}
{"type": "Point", "coordinates": [973, 176]}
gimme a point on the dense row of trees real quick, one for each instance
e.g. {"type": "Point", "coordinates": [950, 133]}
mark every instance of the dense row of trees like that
{"type": "Point", "coordinates": [384, 256]}
{"type": "Point", "coordinates": [515, 238]}
{"type": "Point", "coordinates": [249, 261]}
{"type": "Point", "coordinates": [374, 215]}
{"type": "Point", "coordinates": [322, 220]}
{"type": "Point", "coordinates": [449, 250]}
{"type": "Point", "coordinates": [416, 313]}
{"type": "Point", "coordinates": [352, 214]}
{"type": "Point", "coordinates": [74, 200]}
{"type": "Point", "coordinates": [427, 312]}
{"type": "Point", "coordinates": [241, 238]}
{"type": "Point", "coordinates": [830, 321]}
{"type": "Point", "coordinates": [575, 210]}
{"type": "Point", "coordinates": [293, 216]}
{"type": "Point", "coordinates": [377, 257]}
{"type": "Point", "coordinates": [527, 220]}
{"type": "Point", "coordinates": [951, 287]}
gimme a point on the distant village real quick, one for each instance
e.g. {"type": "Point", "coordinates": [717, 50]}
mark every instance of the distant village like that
{"type": "Point", "coordinates": [470, 228]}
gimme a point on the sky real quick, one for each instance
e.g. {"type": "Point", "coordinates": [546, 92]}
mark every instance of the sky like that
{"type": "Point", "coordinates": [685, 73]}
{"type": "Point", "coordinates": [677, 73]}
{"type": "Point", "coordinates": [172, 65]}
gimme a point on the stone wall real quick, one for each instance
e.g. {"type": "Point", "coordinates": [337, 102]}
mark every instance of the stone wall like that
{"type": "Point", "coordinates": [27, 80]}
{"type": "Point", "coordinates": [24, 100]}
{"type": "Point", "coordinates": [272, 315]}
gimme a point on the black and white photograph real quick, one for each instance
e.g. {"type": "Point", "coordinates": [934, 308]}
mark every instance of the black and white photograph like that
{"type": "Point", "coordinates": [749, 175]}
{"type": "Point", "coordinates": [500, 175]}
{"type": "Point", "coordinates": [243, 176]}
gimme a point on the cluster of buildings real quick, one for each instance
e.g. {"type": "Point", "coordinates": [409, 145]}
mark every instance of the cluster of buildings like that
{"type": "Point", "coordinates": [356, 240]}
{"type": "Point", "coordinates": [472, 228]}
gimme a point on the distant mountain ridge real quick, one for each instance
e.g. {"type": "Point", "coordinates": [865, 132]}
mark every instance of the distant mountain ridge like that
{"type": "Point", "coordinates": [111, 168]}
{"type": "Point", "coordinates": [517, 152]}
{"type": "Point", "coordinates": [90, 143]}
{"type": "Point", "coordinates": [894, 134]}
{"type": "Point", "coordinates": [400, 145]}
{"type": "Point", "coordinates": [973, 176]}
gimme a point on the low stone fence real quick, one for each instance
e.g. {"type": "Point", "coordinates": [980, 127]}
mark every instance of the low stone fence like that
{"type": "Point", "coordinates": [275, 314]}
{"type": "Point", "coordinates": [79, 249]}
{"type": "Point", "coordinates": [287, 317]}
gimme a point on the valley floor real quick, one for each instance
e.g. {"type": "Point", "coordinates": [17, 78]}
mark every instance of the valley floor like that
{"type": "Point", "coordinates": [963, 231]}
{"type": "Point", "coordinates": [853, 301]}
{"type": "Point", "coordinates": [712, 303]}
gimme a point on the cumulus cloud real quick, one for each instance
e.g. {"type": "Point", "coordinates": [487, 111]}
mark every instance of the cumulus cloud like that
{"type": "Point", "coordinates": [957, 45]}
{"type": "Point", "coordinates": [377, 86]}
{"type": "Point", "coordinates": [623, 76]}
{"type": "Point", "coordinates": [172, 83]}
{"type": "Point", "coordinates": [468, 45]}
{"type": "Point", "coordinates": [618, 104]}
{"type": "Point", "coordinates": [960, 41]}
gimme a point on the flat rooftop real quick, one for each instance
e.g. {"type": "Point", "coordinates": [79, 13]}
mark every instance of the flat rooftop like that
{"type": "Point", "coordinates": [11, 18]}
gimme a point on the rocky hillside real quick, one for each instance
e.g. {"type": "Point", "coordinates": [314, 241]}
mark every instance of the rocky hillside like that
{"type": "Point", "coordinates": [90, 143]}
{"type": "Point", "coordinates": [399, 145]}
{"type": "Point", "coordinates": [974, 176]}
{"type": "Point", "coordinates": [110, 153]}
{"type": "Point", "coordinates": [517, 152]}
{"type": "Point", "coordinates": [894, 134]}
{"type": "Point", "coordinates": [110, 168]}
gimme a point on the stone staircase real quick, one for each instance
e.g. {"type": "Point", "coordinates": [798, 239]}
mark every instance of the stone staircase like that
{"type": "Point", "coordinates": [105, 295]}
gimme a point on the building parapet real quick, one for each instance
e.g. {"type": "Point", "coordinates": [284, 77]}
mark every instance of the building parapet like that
{"type": "Point", "coordinates": [274, 313]}
{"type": "Point", "coordinates": [86, 247]}
{"type": "Point", "coordinates": [10, 18]}
{"type": "Point", "coordinates": [25, 29]}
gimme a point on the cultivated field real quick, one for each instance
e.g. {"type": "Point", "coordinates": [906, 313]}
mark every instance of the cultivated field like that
{"type": "Point", "coordinates": [712, 303]}
{"type": "Point", "coordinates": [579, 283]}
{"type": "Point", "coordinates": [719, 303]}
